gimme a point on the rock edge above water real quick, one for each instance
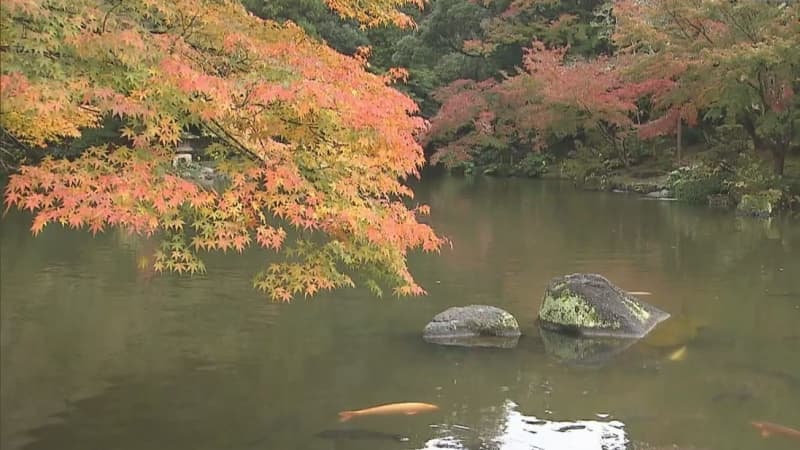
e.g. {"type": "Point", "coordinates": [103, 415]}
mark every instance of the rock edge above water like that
{"type": "Point", "coordinates": [590, 305]}
{"type": "Point", "coordinates": [473, 326]}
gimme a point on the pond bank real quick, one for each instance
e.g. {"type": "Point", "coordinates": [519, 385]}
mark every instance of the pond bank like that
{"type": "Point", "coordinates": [684, 184]}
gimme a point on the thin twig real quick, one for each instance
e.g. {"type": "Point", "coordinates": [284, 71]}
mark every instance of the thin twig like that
{"type": "Point", "coordinates": [105, 19]}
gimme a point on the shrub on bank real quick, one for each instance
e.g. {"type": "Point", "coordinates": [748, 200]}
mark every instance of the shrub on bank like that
{"type": "Point", "coordinates": [696, 183]}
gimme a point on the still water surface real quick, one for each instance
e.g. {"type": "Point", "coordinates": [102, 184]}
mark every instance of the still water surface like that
{"type": "Point", "coordinates": [98, 354]}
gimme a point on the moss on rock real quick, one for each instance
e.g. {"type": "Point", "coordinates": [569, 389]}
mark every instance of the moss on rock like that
{"type": "Point", "coordinates": [474, 325]}
{"type": "Point", "coordinates": [589, 304]}
{"type": "Point", "coordinates": [570, 309]}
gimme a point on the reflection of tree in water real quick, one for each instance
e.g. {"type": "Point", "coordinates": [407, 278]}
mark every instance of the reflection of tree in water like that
{"type": "Point", "coordinates": [511, 237]}
{"type": "Point", "coordinates": [75, 317]}
{"type": "Point", "coordinates": [494, 223]}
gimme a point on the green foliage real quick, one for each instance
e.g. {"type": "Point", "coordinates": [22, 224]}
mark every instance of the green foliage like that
{"type": "Point", "coordinates": [533, 165]}
{"type": "Point", "coordinates": [315, 18]}
{"type": "Point", "coordinates": [584, 163]}
{"type": "Point", "coordinates": [750, 174]}
{"type": "Point", "coordinates": [696, 182]}
{"type": "Point", "coordinates": [737, 61]}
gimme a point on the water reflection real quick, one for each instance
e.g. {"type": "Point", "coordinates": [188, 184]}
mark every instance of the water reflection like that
{"type": "Point", "coordinates": [95, 355]}
{"type": "Point", "coordinates": [515, 431]}
{"type": "Point", "coordinates": [360, 434]}
{"type": "Point", "coordinates": [583, 351]}
{"type": "Point", "coordinates": [475, 341]}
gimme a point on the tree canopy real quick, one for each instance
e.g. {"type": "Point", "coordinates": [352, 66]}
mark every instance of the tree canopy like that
{"type": "Point", "coordinates": [737, 62]}
{"type": "Point", "coordinates": [313, 148]}
{"type": "Point", "coordinates": [312, 113]}
{"type": "Point", "coordinates": [649, 66]}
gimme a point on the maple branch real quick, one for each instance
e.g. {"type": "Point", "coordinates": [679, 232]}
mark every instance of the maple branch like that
{"type": "Point", "coordinates": [701, 29]}
{"type": "Point", "coordinates": [246, 100]}
{"type": "Point", "coordinates": [316, 131]}
{"type": "Point", "coordinates": [223, 133]}
{"type": "Point", "coordinates": [750, 34]}
{"type": "Point", "coordinates": [189, 26]}
{"type": "Point", "coordinates": [8, 166]}
{"type": "Point", "coordinates": [20, 49]}
{"type": "Point", "coordinates": [677, 20]}
{"type": "Point", "coordinates": [749, 127]}
{"type": "Point", "coordinates": [461, 50]}
{"type": "Point", "coordinates": [91, 109]}
{"type": "Point", "coordinates": [762, 92]}
{"type": "Point", "coordinates": [108, 13]}
{"type": "Point", "coordinates": [19, 143]}
{"type": "Point", "coordinates": [3, 149]}
{"type": "Point", "coordinates": [5, 163]}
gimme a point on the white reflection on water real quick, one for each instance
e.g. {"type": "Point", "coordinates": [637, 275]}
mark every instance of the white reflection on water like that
{"type": "Point", "coordinates": [520, 432]}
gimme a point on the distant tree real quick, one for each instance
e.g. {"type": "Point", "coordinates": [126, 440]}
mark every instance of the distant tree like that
{"type": "Point", "coordinates": [551, 97]}
{"type": "Point", "coordinates": [316, 18]}
{"type": "Point", "coordinates": [585, 26]}
{"type": "Point", "coordinates": [736, 62]}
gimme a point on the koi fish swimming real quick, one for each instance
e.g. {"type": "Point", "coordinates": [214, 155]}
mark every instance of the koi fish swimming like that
{"type": "Point", "coordinates": [408, 409]}
{"type": "Point", "coordinates": [768, 429]}
{"type": "Point", "coordinates": [678, 355]}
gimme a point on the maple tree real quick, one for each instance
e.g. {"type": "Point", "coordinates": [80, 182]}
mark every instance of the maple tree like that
{"type": "Point", "coordinates": [589, 95]}
{"type": "Point", "coordinates": [314, 148]}
{"type": "Point", "coordinates": [543, 45]}
{"type": "Point", "coordinates": [736, 62]}
{"type": "Point", "coordinates": [675, 62]}
{"type": "Point", "coordinates": [583, 25]}
{"type": "Point", "coordinates": [552, 96]}
{"type": "Point", "coordinates": [480, 39]}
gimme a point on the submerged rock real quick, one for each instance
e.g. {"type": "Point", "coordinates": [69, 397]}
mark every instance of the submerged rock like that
{"type": "Point", "coordinates": [473, 326]}
{"type": "Point", "coordinates": [660, 194]}
{"type": "Point", "coordinates": [590, 305]}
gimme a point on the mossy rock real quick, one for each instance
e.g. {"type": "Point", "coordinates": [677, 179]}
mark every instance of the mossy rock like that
{"type": "Point", "coordinates": [473, 326]}
{"type": "Point", "coordinates": [590, 305]}
{"type": "Point", "coordinates": [761, 204]}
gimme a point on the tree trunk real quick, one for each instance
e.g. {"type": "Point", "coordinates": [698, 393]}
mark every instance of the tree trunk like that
{"type": "Point", "coordinates": [778, 160]}
{"type": "Point", "coordinates": [680, 138]}
{"type": "Point", "coordinates": [623, 153]}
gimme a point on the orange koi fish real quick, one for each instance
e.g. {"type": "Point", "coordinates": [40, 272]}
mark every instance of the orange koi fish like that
{"type": "Point", "coordinates": [408, 409]}
{"type": "Point", "coordinates": [768, 429]}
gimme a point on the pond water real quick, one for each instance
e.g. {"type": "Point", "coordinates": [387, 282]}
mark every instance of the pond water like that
{"type": "Point", "coordinates": [99, 354]}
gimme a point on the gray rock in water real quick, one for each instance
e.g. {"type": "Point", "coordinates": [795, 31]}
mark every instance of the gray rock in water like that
{"type": "Point", "coordinates": [473, 326]}
{"type": "Point", "coordinates": [662, 194]}
{"type": "Point", "coordinates": [590, 305]}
